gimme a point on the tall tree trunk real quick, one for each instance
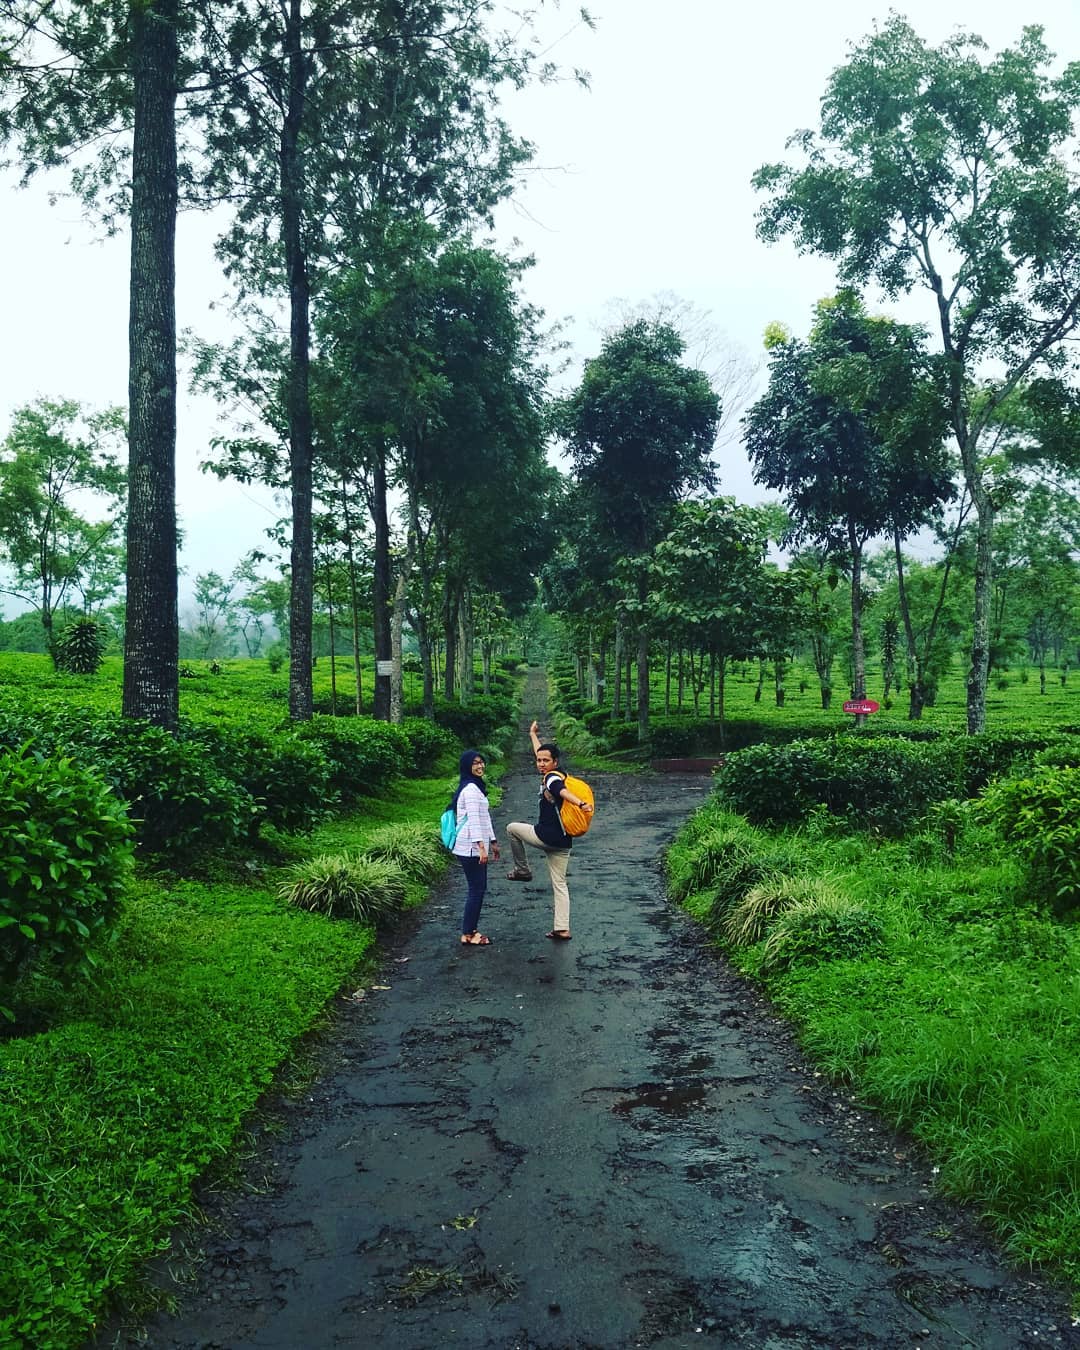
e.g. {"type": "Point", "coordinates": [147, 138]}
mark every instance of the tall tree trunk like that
{"type": "Point", "coordinates": [979, 670]}
{"type": "Point", "coordinates": [353, 597]}
{"type": "Point", "coordinates": [450, 646]}
{"type": "Point", "coordinates": [333, 654]}
{"type": "Point", "coordinates": [600, 668]}
{"type": "Point", "coordinates": [152, 631]}
{"type": "Point", "coordinates": [467, 640]}
{"type": "Point", "coordinates": [858, 643]}
{"type": "Point", "coordinates": [401, 593]}
{"type": "Point", "coordinates": [917, 659]}
{"type": "Point", "coordinates": [616, 705]}
{"type": "Point", "coordinates": [380, 583]}
{"type": "Point", "coordinates": [301, 451]}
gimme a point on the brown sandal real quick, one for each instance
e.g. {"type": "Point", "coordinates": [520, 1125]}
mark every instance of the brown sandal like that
{"type": "Point", "coordinates": [475, 940]}
{"type": "Point", "coordinates": [558, 935]}
{"type": "Point", "coordinates": [515, 875]}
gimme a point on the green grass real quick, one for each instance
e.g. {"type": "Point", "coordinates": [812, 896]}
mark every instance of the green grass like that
{"type": "Point", "coordinates": [964, 1031]}
{"type": "Point", "coordinates": [131, 1087]}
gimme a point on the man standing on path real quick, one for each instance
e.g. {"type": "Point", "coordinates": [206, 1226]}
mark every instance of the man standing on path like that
{"type": "Point", "coordinates": [548, 833]}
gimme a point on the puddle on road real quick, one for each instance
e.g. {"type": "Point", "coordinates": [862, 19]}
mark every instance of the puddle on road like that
{"type": "Point", "coordinates": [666, 1097]}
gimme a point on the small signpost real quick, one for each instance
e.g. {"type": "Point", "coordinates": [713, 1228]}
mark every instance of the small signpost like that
{"type": "Point", "coordinates": [861, 706]}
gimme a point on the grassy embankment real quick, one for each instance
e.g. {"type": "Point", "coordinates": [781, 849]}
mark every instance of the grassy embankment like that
{"type": "Point", "coordinates": [941, 990]}
{"type": "Point", "coordinates": [118, 1094]}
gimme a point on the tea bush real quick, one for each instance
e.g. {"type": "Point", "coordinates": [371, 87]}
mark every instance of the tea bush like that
{"type": "Point", "coordinates": [365, 756]}
{"type": "Point", "coordinates": [65, 854]}
{"type": "Point", "coordinates": [287, 777]}
{"type": "Point", "coordinates": [427, 741]}
{"type": "Point", "coordinates": [882, 783]}
{"type": "Point", "coordinates": [992, 754]}
{"type": "Point", "coordinates": [477, 722]}
{"type": "Point", "coordinates": [1040, 817]}
{"type": "Point", "coordinates": [176, 797]}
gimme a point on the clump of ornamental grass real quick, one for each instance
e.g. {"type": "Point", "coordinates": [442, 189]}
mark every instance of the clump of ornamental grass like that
{"type": "Point", "coordinates": [413, 846]}
{"type": "Point", "coordinates": [346, 886]}
{"type": "Point", "coordinates": [700, 859]}
{"type": "Point", "coordinates": [731, 873]}
{"type": "Point", "coordinates": [751, 918]}
{"type": "Point", "coordinates": [827, 927]}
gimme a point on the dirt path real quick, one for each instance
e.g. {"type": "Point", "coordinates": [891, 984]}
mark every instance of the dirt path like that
{"type": "Point", "coordinates": [607, 1143]}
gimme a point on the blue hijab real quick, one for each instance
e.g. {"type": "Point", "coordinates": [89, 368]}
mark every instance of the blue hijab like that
{"type": "Point", "coordinates": [466, 775]}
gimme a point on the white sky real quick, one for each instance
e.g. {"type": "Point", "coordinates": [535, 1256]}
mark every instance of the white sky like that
{"type": "Point", "coordinates": [643, 187]}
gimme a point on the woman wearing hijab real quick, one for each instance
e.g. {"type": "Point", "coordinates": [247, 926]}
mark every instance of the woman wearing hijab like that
{"type": "Point", "coordinates": [475, 842]}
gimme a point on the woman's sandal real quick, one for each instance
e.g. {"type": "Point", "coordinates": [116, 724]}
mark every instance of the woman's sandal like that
{"type": "Point", "coordinates": [515, 875]}
{"type": "Point", "coordinates": [475, 940]}
{"type": "Point", "coordinates": [558, 935]}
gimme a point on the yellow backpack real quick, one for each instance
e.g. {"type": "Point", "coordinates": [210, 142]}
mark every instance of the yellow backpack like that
{"type": "Point", "coordinates": [574, 820]}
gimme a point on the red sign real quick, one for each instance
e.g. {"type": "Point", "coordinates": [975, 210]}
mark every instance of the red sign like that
{"type": "Point", "coordinates": [859, 706]}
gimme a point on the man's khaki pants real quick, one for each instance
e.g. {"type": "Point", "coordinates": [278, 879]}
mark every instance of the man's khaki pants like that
{"type": "Point", "coordinates": [558, 859]}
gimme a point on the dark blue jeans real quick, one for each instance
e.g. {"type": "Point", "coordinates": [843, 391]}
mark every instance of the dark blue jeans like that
{"type": "Point", "coordinates": [476, 879]}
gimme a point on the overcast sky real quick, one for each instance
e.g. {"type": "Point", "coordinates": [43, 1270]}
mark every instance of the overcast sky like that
{"type": "Point", "coordinates": [641, 187]}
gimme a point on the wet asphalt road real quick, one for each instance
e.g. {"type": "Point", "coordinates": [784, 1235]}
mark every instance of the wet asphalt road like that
{"type": "Point", "coordinates": [604, 1143]}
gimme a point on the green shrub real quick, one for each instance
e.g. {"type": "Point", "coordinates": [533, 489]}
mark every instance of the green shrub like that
{"type": "Point", "coordinates": [427, 742]}
{"type": "Point", "coordinates": [1063, 753]}
{"type": "Point", "coordinates": [732, 873]}
{"type": "Point", "coordinates": [65, 854]}
{"type": "Point", "coordinates": [1040, 817]}
{"type": "Point", "coordinates": [178, 800]}
{"type": "Point", "coordinates": [775, 785]}
{"type": "Point", "coordinates": [827, 927]}
{"type": "Point", "coordinates": [346, 886]}
{"type": "Point", "coordinates": [595, 720]}
{"type": "Point", "coordinates": [949, 820]}
{"type": "Point", "coordinates": [993, 754]}
{"type": "Point", "coordinates": [412, 846]}
{"type": "Point", "coordinates": [673, 740]}
{"type": "Point", "coordinates": [80, 648]}
{"type": "Point", "coordinates": [621, 735]}
{"type": "Point", "coordinates": [365, 756]}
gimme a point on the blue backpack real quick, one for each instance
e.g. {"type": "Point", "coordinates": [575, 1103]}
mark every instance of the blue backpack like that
{"type": "Point", "coordinates": [448, 827]}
